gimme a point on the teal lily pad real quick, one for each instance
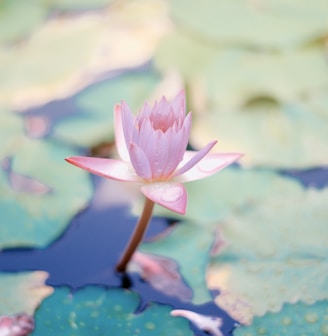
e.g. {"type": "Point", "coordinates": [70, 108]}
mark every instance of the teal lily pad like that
{"type": "Point", "coordinates": [293, 319]}
{"type": "Point", "coordinates": [94, 122]}
{"type": "Point", "coordinates": [271, 24]}
{"type": "Point", "coordinates": [39, 194]}
{"type": "Point", "coordinates": [275, 252]}
{"type": "Point", "coordinates": [22, 292]}
{"type": "Point", "coordinates": [99, 311]}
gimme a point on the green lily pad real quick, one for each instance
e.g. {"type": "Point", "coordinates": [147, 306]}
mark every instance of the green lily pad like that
{"type": "Point", "coordinates": [293, 319]}
{"type": "Point", "coordinates": [271, 24]}
{"type": "Point", "coordinates": [18, 18]}
{"type": "Point", "coordinates": [188, 244]}
{"type": "Point", "coordinates": [38, 216]}
{"type": "Point", "coordinates": [97, 311]}
{"type": "Point", "coordinates": [275, 252]}
{"type": "Point", "coordinates": [95, 122]}
{"type": "Point", "coordinates": [292, 135]}
{"type": "Point", "coordinates": [22, 292]}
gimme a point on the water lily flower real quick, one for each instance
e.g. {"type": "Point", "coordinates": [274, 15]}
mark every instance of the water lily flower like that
{"type": "Point", "coordinates": [153, 151]}
{"type": "Point", "coordinates": [152, 147]}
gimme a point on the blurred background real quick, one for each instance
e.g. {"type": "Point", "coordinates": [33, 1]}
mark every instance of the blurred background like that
{"type": "Point", "coordinates": [255, 74]}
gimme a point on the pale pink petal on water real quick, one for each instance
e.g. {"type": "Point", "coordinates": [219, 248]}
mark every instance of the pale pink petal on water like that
{"type": "Point", "coordinates": [119, 134]}
{"type": "Point", "coordinates": [186, 165]}
{"type": "Point", "coordinates": [170, 195]}
{"type": "Point", "coordinates": [140, 162]}
{"type": "Point", "coordinates": [209, 165]}
{"type": "Point", "coordinates": [209, 324]}
{"type": "Point", "coordinates": [112, 169]}
{"type": "Point", "coordinates": [163, 274]}
{"type": "Point", "coordinates": [17, 325]}
{"type": "Point", "coordinates": [128, 121]}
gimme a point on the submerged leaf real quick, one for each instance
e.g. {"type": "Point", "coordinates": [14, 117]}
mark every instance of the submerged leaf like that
{"type": "Point", "coordinates": [98, 311]}
{"type": "Point", "coordinates": [22, 292]}
{"type": "Point", "coordinates": [276, 252]}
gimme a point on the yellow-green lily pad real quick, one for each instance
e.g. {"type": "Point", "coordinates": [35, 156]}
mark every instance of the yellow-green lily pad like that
{"type": "Point", "coordinates": [99, 311]}
{"type": "Point", "coordinates": [69, 5]}
{"type": "Point", "coordinates": [289, 135]}
{"type": "Point", "coordinates": [230, 77]}
{"type": "Point", "coordinates": [18, 18]}
{"type": "Point", "coordinates": [53, 56]}
{"type": "Point", "coordinates": [22, 292]}
{"type": "Point", "coordinates": [293, 319]}
{"type": "Point", "coordinates": [275, 252]}
{"type": "Point", "coordinates": [271, 24]}
{"type": "Point", "coordinates": [69, 52]}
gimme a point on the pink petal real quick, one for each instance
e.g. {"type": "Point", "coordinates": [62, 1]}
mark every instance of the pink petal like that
{"type": "Point", "coordinates": [170, 195]}
{"type": "Point", "coordinates": [128, 121]}
{"type": "Point", "coordinates": [179, 104]}
{"type": "Point", "coordinates": [113, 169]}
{"type": "Point", "coordinates": [186, 165]}
{"type": "Point", "coordinates": [119, 134]}
{"type": "Point", "coordinates": [140, 162]}
{"type": "Point", "coordinates": [209, 165]}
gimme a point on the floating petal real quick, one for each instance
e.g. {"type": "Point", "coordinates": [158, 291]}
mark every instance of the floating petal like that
{"type": "Point", "coordinates": [209, 324]}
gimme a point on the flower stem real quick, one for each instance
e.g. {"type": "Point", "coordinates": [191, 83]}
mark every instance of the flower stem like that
{"type": "Point", "coordinates": [136, 236]}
